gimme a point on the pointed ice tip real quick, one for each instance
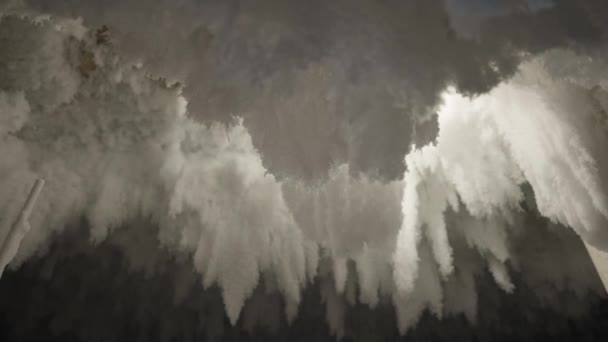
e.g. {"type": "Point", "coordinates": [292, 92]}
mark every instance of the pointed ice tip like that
{"type": "Point", "coordinates": [600, 261]}
{"type": "Point", "coordinates": [233, 307]}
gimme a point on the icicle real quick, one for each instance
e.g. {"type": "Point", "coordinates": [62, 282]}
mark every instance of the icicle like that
{"type": "Point", "coordinates": [20, 228]}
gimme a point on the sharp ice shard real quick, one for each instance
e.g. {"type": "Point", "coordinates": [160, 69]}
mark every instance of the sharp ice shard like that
{"type": "Point", "coordinates": [20, 227]}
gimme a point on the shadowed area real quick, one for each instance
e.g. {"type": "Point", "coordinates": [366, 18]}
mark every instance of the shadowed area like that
{"type": "Point", "coordinates": [85, 292]}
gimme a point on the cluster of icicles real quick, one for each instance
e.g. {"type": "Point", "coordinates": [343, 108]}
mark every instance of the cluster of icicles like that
{"type": "Point", "coordinates": [115, 144]}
